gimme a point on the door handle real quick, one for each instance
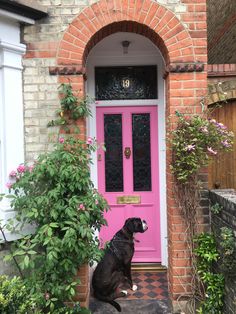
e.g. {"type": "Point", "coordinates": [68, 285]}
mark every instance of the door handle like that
{"type": "Point", "coordinates": [127, 152]}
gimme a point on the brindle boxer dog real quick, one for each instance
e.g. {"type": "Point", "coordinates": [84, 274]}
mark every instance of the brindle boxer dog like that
{"type": "Point", "coordinates": [115, 267]}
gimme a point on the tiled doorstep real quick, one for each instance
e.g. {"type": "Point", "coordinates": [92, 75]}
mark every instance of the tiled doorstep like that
{"type": "Point", "coordinates": [151, 286]}
{"type": "Point", "coordinates": [151, 296]}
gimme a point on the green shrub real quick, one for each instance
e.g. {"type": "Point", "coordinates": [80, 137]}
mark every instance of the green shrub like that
{"type": "Point", "coordinates": [57, 195]}
{"type": "Point", "coordinates": [227, 252]}
{"type": "Point", "coordinates": [14, 297]}
{"type": "Point", "coordinates": [206, 253]}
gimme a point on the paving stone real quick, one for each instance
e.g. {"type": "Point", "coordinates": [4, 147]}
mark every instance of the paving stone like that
{"type": "Point", "coordinates": [131, 307]}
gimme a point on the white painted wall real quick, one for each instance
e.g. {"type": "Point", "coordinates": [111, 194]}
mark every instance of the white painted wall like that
{"type": "Point", "coordinates": [109, 52]}
{"type": "Point", "coordinates": [11, 107]}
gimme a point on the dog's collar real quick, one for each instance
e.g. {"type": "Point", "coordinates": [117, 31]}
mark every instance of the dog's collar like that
{"type": "Point", "coordinates": [114, 249]}
{"type": "Point", "coordinates": [116, 238]}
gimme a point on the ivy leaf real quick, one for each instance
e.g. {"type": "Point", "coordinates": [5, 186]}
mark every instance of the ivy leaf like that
{"type": "Point", "coordinates": [26, 261]}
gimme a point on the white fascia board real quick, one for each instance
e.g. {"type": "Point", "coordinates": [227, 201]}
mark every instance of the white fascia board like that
{"type": "Point", "coordinates": [16, 17]}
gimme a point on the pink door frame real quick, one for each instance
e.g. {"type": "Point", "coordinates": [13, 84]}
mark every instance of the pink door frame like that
{"type": "Point", "coordinates": [149, 247]}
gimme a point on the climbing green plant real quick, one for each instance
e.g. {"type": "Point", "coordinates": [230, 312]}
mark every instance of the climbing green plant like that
{"type": "Point", "coordinates": [206, 251]}
{"type": "Point", "coordinates": [72, 109]}
{"type": "Point", "coordinates": [57, 196]}
{"type": "Point", "coordinates": [195, 141]}
{"type": "Point", "coordinates": [226, 246]}
{"type": "Point", "coordinates": [216, 208]}
{"type": "Point", "coordinates": [227, 252]}
{"type": "Point", "coordinates": [213, 283]}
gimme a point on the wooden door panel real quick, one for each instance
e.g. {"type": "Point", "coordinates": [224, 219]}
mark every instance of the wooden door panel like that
{"type": "Point", "coordinates": [148, 249]}
{"type": "Point", "coordinates": [222, 171]}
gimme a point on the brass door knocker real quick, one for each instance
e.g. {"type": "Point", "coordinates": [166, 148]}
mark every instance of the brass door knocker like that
{"type": "Point", "coordinates": [127, 152]}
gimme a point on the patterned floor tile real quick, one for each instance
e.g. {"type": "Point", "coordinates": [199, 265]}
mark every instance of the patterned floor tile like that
{"type": "Point", "coordinates": [151, 285]}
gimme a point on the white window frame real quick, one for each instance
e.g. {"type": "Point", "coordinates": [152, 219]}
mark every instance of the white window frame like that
{"type": "Point", "coordinates": [11, 108]}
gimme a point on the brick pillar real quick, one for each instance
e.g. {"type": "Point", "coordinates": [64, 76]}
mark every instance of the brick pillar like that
{"type": "Point", "coordinates": [185, 92]}
{"type": "Point", "coordinates": [83, 289]}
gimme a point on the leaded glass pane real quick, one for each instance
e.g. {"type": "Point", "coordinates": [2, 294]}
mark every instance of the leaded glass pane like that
{"type": "Point", "coordinates": [130, 82]}
{"type": "Point", "coordinates": [113, 155]}
{"type": "Point", "coordinates": [141, 152]}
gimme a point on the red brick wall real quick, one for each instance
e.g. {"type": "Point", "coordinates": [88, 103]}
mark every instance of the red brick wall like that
{"type": "Point", "coordinates": [181, 37]}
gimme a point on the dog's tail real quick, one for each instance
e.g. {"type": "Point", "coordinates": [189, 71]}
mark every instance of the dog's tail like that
{"type": "Point", "coordinates": [108, 300]}
{"type": "Point", "coordinates": [115, 304]}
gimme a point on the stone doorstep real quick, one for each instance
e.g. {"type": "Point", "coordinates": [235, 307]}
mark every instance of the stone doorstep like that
{"type": "Point", "coordinates": [131, 307]}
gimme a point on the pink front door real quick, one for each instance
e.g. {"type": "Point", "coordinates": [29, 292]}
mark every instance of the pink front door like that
{"type": "Point", "coordinates": [128, 174]}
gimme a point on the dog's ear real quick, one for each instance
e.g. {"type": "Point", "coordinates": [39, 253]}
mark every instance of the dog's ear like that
{"type": "Point", "coordinates": [127, 220]}
{"type": "Point", "coordinates": [129, 224]}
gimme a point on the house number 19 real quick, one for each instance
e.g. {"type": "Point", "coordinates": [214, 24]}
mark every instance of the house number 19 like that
{"type": "Point", "coordinates": [125, 83]}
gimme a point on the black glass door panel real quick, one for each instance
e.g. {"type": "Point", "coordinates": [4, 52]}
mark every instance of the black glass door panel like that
{"type": "Point", "coordinates": [141, 152]}
{"type": "Point", "coordinates": [113, 154]}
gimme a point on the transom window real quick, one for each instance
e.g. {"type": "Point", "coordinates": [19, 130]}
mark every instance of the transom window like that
{"type": "Point", "coordinates": [126, 82]}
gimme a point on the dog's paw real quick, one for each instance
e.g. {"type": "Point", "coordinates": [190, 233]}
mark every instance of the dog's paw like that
{"type": "Point", "coordinates": [134, 288]}
{"type": "Point", "coordinates": [124, 292]}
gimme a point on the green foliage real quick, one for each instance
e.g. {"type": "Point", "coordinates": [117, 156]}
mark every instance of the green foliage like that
{"type": "Point", "coordinates": [213, 302]}
{"type": "Point", "coordinates": [57, 196]}
{"type": "Point", "coordinates": [195, 141]}
{"type": "Point", "coordinates": [216, 208]}
{"type": "Point", "coordinates": [206, 253]}
{"type": "Point", "coordinates": [72, 108]}
{"type": "Point", "coordinates": [227, 252]}
{"type": "Point", "coordinates": [14, 297]}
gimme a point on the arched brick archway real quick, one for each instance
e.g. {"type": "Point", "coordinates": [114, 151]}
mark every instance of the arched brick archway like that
{"type": "Point", "coordinates": [186, 82]}
{"type": "Point", "coordinates": [147, 18]}
{"type": "Point", "coordinates": [126, 26]}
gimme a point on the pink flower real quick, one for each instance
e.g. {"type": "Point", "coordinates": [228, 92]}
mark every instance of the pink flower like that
{"type": "Point", "coordinates": [225, 143]}
{"type": "Point", "coordinates": [81, 206]}
{"type": "Point", "coordinates": [190, 147]}
{"type": "Point", "coordinates": [61, 140]}
{"type": "Point", "coordinates": [96, 202]}
{"type": "Point", "coordinates": [89, 140]}
{"type": "Point", "coordinates": [21, 168]}
{"type": "Point", "coordinates": [221, 125]}
{"type": "Point", "coordinates": [47, 296]}
{"type": "Point", "coordinates": [12, 174]}
{"type": "Point", "coordinates": [210, 150]}
{"type": "Point", "coordinates": [31, 168]}
{"type": "Point", "coordinates": [212, 121]}
{"type": "Point", "coordinates": [9, 185]}
{"type": "Point", "coordinates": [204, 129]}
